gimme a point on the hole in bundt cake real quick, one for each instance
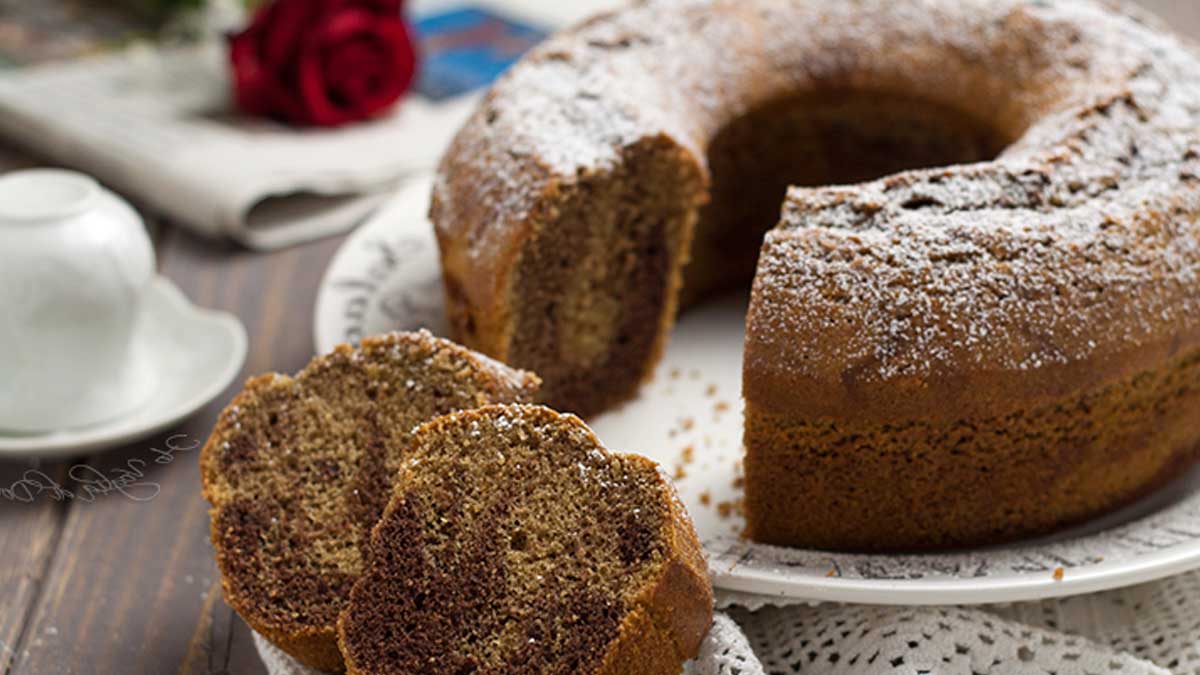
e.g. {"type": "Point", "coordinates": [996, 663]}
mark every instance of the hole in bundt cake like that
{"type": "Point", "coordinates": [594, 291]}
{"type": "Point", "coordinates": [821, 138]}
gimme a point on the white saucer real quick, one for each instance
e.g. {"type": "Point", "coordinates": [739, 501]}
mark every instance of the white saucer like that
{"type": "Point", "coordinates": [386, 277]}
{"type": "Point", "coordinates": [194, 353]}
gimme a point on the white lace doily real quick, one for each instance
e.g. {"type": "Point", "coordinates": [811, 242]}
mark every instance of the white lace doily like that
{"type": "Point", "coordinates": [1149, 629]}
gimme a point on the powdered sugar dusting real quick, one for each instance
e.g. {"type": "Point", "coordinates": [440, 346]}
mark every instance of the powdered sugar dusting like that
{"type": "Point", "coordinates": [1079, 240]}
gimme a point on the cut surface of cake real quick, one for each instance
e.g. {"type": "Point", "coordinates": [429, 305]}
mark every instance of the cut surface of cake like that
{"type": "Point", "coordinates": [516, 543]}
{"type": "Point", "coordinates": [970, 228]}
{"type": "Point", "coordinates": [299, 469]}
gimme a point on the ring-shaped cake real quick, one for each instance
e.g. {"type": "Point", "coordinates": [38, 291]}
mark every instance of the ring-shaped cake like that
{"type": "Point", "coordinates": [985, 326]}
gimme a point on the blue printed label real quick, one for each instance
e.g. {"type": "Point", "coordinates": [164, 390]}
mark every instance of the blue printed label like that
{"type": "Point", "coordinates": [465, 49]}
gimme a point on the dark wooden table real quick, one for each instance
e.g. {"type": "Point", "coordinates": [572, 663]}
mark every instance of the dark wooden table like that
{"type": "Point", "coordinates": [115, 585]}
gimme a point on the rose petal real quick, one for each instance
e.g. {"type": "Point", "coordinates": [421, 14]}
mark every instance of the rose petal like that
{"type": "Point", "coordinates": [384, 7]}
{"type": "Point", "coordinates": [285, 27]}
{"type": "Point", "coordinates": [353, 66]}
{"type": "Point", "coordinates": [346, 24]}
{"type": "Point", "coordinates": [251, 79]}
{"type": "Point", "coordinates": [314, 93]}
{"type": "Point", "coordinates": [395, 69]}
{"type": "Point", "coordinates": [314, 84]}
{"type": "Point", "coordinates": [402, 62]}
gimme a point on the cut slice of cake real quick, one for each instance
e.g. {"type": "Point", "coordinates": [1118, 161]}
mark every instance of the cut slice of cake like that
{"type": "Point", "coordinates": [298, 471]}
{"type": "Point", "coordinates": [515, 543]}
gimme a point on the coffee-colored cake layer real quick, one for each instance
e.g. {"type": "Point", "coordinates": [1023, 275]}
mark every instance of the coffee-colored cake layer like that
{"type": "Point", "coordinates": [619, 266]}
{"type": "Point", "coordinates": [951, 483]}
{"type": "Point", "coordinates": [298, 471]}
{"type": "Point", "coordinates": [515, 543]}
{"type": "Point", "coordinates": [1055, 255]}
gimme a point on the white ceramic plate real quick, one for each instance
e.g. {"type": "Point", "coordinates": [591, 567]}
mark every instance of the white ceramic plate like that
{"type": "Point", "coordinates": [386, 277]}
{"type": "Point", "coordinates": [195, 353]}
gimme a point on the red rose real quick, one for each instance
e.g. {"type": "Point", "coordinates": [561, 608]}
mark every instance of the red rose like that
{"type": "Point", "coordinates": [323, 62]}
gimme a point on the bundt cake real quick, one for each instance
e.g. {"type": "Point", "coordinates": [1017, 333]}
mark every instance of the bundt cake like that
{"type": "Point", "coordinates": [298, 470]}
{"type": "Point", "coordinates": [515, 543]}
{"type": "Point", "coordinates": [989, 326]}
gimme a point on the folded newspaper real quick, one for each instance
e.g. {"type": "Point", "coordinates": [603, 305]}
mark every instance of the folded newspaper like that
{"type": "Point", "coordinates": [159, 125]}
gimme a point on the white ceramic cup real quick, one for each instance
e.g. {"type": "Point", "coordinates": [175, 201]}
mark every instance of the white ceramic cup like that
{"type": "Point", "coordinates": [75, 262]}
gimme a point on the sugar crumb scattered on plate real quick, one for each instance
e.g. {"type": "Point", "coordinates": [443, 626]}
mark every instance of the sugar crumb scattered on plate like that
{"type": "Point", "coordinates": [728, 509]}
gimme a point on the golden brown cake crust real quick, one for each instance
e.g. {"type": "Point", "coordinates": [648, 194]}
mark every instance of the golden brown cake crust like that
{"type": "Point", "coordinates": [1053, 263]}
{"type": "Point", "coordinates": [639, 602]}
{"type": "Point", "coordinates": [675, 610]}
{"type": "Point", "coordinates": [298, 469]}
{"type": "Point", "coordinates": [993, 479]}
